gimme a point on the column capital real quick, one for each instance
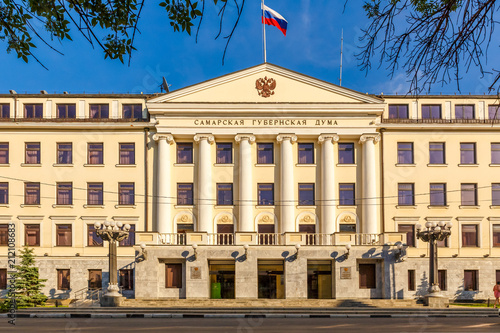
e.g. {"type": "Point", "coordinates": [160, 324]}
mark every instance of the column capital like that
{"type": "Point", "coordinates": [367, 137]}
{"type": "Point", "coordinates": [328, 137]}
{"type": "Point", "coordinates": [240, 137]}
{"type": "Point", "coordinates": [282, 137]}
{"type": "Point", "coordinates": [168, 137]}
{"type": "Point", "coordinates": [204, 136]}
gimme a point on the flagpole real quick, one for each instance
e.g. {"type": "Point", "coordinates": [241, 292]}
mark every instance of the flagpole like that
{"type": "Point", "coordinates": [264, 32]}
{"type": "Point", "coordinates": [341, 54]}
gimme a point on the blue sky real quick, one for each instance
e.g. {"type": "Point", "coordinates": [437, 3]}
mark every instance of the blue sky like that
{"type": "Point", "coordinates": [312, 47]}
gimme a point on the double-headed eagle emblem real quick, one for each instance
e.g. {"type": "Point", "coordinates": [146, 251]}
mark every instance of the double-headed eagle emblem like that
{"type": "Point", "coordinates": [265, 86]}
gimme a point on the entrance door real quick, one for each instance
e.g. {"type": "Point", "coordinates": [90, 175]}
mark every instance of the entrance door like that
{"type": "Point", "coordinates": [221, 279]}
{"type": "Point", "coordinates": [271, 279]}
{"type": "Point", "coordinates": [319, 279]}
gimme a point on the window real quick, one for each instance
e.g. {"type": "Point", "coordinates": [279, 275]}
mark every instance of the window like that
{"type": "Point", "coordinates": [31, 193]}
{"type": "Point", "coordinates": [398, 111]}
{"type": "Point", "coordinates": [367, 277]}
{"type": "Point", "coordinates": [496, 235]}
{"type": "Point", "coordinates": [464, 112]}
{"type": "Point", "coordinates": [225, 194]}
{"type": "Point", "coordinates": [95, 278]}
{"type": "Point", "coordinates": [405, 152]}
{"type": "Point", "coordinates": [438, 194]}
{"type": "Point", "coordinates": [127, 153]}
{"type": "Point", "coordinates": [265, 194]}
{"type": "Point", "coordinates": [442, 279]}
{"type": "Point", "coordinates": [306, 153]}
{"type": "Point", "coordinates": [436, 153]}
{"type": "Point", "coordinates": [469, 194]}
{"type": "Point", "coordinates": [92, 238]}
{"type": "Point", "coordinates": [406, 194]}
{"type": "Point", "coordinates": [127, 279]}
{"type": "Point", "coordinates": [265, 153]}
{"type": "Point", "coordinates": [65, 153]}
{"type": "Point", "coordinates": [224, 153]}
{"type": "Point", "coordinates": [469, 235]}
{"type": "Point", "coordinates": [66, 111]}
{"type": "Point", "coordinates": [4, 234]}
{"type": "Point", "coordinates": [95, 194]}
{"type": "Point", "coordinates": [32, 235]}
{"type": "Point", "coordinates": [4, 193]}
{"type": "Point", "coordinates": [495, 194]}
{"type": "Point", "coordinates": [185, 194]}
{"type": "Point", "coordinates": [495, 153]}
{"type": "Point", "coordinates": [33, 111]}
{"type": "Point", "coordinates": [306, 195]}
{"type": "Point", "coordinates": [184, 153]}
{"type": "Point", "coordinates": [4, 110]}
{"type": "Point", "coordinates": [132, 111]}
{"type": "Point", "coordinates": [63, 235]}
{"type": "Point", "coordinates": [411, 280]}
{"type": "Point", "coordinates": [494, 111]}
{"type": "Point", "coordinates": [99, 111]}
{"type": "Point", "coordinates": [346, 153]}
{"type": "Point", "coordinates": [4, 153]}
{"type": "Point", "coordinates": [32, 153]}
{"type": "Point", "coordinates": [63, 279]}
{"type": "Point", "coordinates": [470, 280]}
{"type": "Point", "coordinates": [130, 241]}
{"type": "Point", "coordinates": [126, 194]}
{"type": "Point", "coordinates": [431, 111]}
{"type": "Point", "coordinates": [467, 153]}
{"type": "Point", "coordinates": [96, 155]}
{"type": "Point", "coordinates": [64, 194]}
{"type": "Point", "coordinates": [173, 275]}
{"type": "Point", "coordinates": [3, 278]}
{"type": "Point", "coordinates": [346, 195]}
{"type": "Point", "coordinates": [409, 229]}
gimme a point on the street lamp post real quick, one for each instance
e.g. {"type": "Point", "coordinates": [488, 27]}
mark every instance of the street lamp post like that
{"type": "Point", "coordinates": [433, 233]}
{"type": "Point", "coordinates": [113, 232]}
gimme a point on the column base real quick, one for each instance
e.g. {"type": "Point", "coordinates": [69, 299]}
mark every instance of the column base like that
{"type": "Point", "coordinates": [436, 301]}
{"type": "Point", "coordinates": [112, 301]}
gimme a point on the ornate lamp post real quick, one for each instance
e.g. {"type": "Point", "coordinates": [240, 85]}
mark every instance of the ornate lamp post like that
{"type": "Point", "coordinates": [433, 233]}
{"type": "Point", "coordinates": [113, 232]}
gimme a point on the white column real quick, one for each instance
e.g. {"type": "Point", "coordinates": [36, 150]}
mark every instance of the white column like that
{"type": "Point", "coordinates": [245, 179]}
{"type": "Point", "coordinates": [287, 183]}
{"type": "Point", "coordinates": [370, 223]}
{"type": "Point", "coordinates": [206, 195]}
{"type": "Point", "coordinates": [328, 203]}
{"type": "Point", "coordinates": [164, 222]}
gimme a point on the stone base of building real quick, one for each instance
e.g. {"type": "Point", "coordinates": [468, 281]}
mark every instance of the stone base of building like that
{"type": "Point", "coordinates": [112, 301]}
{"type": "Point", "coordinates": [437, 301]}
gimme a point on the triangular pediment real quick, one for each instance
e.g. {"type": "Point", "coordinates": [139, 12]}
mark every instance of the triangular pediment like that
{"type": "Point", "coordinates": [289, 87]}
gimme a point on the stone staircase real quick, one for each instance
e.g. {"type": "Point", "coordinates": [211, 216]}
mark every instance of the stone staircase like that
{"type": "Point", "coordinates": [272, 303]}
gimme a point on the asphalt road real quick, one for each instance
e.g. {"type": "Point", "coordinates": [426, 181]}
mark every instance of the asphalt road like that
{"type": "Point", "coordinates": [251, 325]}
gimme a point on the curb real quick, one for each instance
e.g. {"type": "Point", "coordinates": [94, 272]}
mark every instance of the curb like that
{"type": "Point", "coordinates": [215, 315]}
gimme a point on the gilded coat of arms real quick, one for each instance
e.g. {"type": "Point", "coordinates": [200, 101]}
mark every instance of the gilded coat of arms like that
{"type": "Point", "coordinates": [265, 86]}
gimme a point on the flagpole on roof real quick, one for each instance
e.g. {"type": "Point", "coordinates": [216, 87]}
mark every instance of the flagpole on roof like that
{"type": "Point", "coordinates": [341, 54]}
{"type": "Point", "coordinates": [264, 32]}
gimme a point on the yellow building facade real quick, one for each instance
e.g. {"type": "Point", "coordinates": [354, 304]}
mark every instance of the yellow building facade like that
{"type": "Point", "coordinates": [264, 183]}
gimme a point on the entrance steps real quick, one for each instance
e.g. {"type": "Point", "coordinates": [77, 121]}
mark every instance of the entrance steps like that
{"type": "Point", "coordinates": [272, 303]}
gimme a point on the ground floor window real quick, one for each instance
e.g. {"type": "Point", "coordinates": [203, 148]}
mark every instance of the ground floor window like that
{"type": "Point", "coordinates": [367, 276]}
{"type": "Point", "coordinates": [221, 279]}
{"type": "Point", "coordinates": [319, 279]}
{"type": "Point", "coordinates": [271, 279]}
{"type": "Point", "coordinates": [95, 278]}
{"type": "Point", "coordinates": [3, 278]}
{"type": "Point", "coordinates": [411, 280]}
{"type": "Point", "coordinates": [63, 279]}
{"type": "Point", "coordinates": [497, 276]}
{"type": "Point", "coordinates": [173, 275]}
{"type": "Point", "coordinates": [442, 279]}
{"type": "Point", "coordinates": [470, 280]}
{"type": "Point", "coordinates": [127, 279]}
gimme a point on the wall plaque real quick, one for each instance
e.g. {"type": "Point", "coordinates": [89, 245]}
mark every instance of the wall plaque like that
{"type": "Point", "coordinates": [345, 273]}
{"type": "Point", "coordinates": [195, 273]}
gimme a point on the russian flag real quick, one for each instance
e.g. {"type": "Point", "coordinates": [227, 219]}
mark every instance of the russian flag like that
{"type": "Point", "coordinates": [271, 17]}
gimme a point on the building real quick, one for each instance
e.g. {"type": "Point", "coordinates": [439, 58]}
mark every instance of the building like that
{"type": "Point", "coordinates": [264, 183]}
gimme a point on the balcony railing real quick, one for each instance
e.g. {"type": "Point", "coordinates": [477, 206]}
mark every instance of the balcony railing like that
{"type": "Point", "coordinates": [270, 239]}
{"type": "Point", "coordinates": [73, 120]}
{"type": "Point", "coordinates": [439, 121]}
{"type": "Point", "coordinates": [221, 239]}
{"type": "Point", "coordinates": [172, 239]}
